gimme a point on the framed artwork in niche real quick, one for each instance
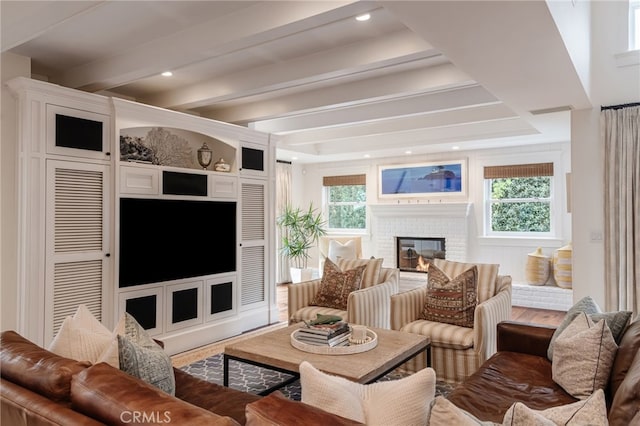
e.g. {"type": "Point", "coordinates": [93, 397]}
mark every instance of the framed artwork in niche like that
{"type": "Point", "coordinates": [437, 179]}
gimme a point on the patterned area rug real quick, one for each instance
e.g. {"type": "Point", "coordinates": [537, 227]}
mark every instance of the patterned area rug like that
{"type": "Point", "coordinates": [250, 378]}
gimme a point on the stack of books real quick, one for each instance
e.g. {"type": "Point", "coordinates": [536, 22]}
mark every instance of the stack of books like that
{"type": "Point", "coordinates": [336, 334]}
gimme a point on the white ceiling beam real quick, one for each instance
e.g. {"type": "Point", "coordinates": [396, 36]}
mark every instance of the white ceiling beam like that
{"type": "Point", "coordinates": [223, 34]}
{"type": "Point", "coordinates": [472, 114]}
{"type": "Point", "coordinates": [343, 61]}
{"type": "Point", "coordinates": [379, 110]}
{"type": "Point", "coordinates": [513, 48]}
{"type": "Point", "coordinates": [22, 21]}
{"type": "Point", "coordinates": [386, 82]}
{"type": "Point", "coordinates": [417, 138]}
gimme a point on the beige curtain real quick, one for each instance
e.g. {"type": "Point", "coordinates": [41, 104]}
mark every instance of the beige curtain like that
{"type": "Point", "coordinates": [283, 198]}
{"type": "Point", "coordinates": [622, 206]}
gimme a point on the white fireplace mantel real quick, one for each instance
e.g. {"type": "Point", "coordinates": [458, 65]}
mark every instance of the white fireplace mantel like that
{"type": "Point", "coordinates": [450, 210]}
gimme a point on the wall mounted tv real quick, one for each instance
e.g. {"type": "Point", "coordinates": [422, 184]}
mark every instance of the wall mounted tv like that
{"type": "Point", "coordinates": [163, 240]}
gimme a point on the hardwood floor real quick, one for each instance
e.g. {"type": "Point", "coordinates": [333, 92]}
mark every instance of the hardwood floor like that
{"type": "Point", "coordinates": [537, 316]}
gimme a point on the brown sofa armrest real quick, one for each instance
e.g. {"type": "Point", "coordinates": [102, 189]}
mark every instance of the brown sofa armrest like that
{"type": "Point", "coordinates": [525, 338]}
{"type": "Point", "coordinates": [276, 409]}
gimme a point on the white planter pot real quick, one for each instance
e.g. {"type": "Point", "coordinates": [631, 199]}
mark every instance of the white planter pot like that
{"type": "Point", "coordinates": [299, 275]}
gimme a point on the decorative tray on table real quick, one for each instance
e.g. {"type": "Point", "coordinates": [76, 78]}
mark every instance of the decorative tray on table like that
{"type": "Point", "coordinates": [351, 348]}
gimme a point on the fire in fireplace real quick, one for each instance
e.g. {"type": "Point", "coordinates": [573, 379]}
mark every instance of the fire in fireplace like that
{"type": "Point", "coordinates": [414, 254]}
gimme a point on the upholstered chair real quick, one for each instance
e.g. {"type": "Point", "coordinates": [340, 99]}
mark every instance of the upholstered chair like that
{"type": "Point", "coordinates": [370, 305]}
{"type": "Point", "coordinates": [456, 352]}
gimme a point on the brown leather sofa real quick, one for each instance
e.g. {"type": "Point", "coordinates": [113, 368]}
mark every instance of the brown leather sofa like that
{"type": "Point", "coordinates": [520, 371]}
{"type": "Point", "coordinates": [38, 388]}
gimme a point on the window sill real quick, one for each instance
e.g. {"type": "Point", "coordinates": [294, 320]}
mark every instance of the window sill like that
{"type": "Point", "coordinates": [521, 241]}
{"type": "Point", "coordinates": [627, 59]}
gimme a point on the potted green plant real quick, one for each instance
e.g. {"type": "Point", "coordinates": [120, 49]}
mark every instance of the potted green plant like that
{"type": "Point", "coordinates": [300, 231]}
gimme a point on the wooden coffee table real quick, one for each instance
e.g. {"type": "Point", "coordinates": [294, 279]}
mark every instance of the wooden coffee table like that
{"type": "Point", "coordinates": [273, 351]}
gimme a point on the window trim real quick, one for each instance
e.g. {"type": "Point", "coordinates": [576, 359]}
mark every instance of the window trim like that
{"type": "Point", "coordinates": [488, 232]}
{"type": "Point", "coordinates": [327, 182]}
{"type": "Point", "coordinates": [634, 25]}
{"type": "Point", "coordinates": [504, 169]}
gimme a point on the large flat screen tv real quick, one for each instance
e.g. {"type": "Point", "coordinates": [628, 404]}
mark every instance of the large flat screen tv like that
{"type": "Point", "coordinates": [163, 240]}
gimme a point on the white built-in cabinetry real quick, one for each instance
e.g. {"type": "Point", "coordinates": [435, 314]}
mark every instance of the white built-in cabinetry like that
{"type": "Point", "coordinates": [69, 194]}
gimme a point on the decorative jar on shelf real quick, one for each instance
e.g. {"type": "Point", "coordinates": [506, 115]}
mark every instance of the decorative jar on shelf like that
{"type": "Point", "coordinates": [562, 266]}
{"type": "Point", "coordinates": [221, 166]}
{"type": "Point", "coordinates": [537, 270]}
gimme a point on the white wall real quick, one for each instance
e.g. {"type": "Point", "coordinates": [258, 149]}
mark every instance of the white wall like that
{"type": "Point", "coordinates": [611, 85]}
{"type": "Point", "coordinates": [511, 254]}
{"type": "Point", "coordinates": [12, 66]}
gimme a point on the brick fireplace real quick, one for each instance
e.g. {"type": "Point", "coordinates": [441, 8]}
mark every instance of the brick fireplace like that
{"type": "Point", "coordinates": [448, 222]}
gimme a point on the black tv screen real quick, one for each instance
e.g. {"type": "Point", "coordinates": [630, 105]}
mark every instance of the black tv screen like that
{"type": "Point", "coordinates": [163, 240]}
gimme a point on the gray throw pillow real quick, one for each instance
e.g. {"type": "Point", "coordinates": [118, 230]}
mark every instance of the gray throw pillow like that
{"type": "Point", "coordinates": [617, 321]}
{"type": "Point", "coordinates": [141, 357]}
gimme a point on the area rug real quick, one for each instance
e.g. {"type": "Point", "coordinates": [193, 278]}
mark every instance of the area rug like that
{"type": "Point", "coordinates": [253, 379]}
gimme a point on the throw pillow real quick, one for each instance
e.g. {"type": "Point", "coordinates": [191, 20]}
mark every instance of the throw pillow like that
{"type": "Point", "coordinates": [141, 357]}
{"type": "Point", "coordinates": [372, 269]}
{"type": "Point", "coordinates": [339, 250]}
{"type": "Point", "coordinates": [404, 401]}
{"type": "Point", "coordinates": [81, 337]}
{"type": "Point", "coordinates": [591, 411]}
{"type": "Point", "coordinates": [336, 286]}
{"type": "Point", "coordinates": [583, 357]}
{"type": "Point", "coordinates": [444, 412]}
{"type": "Point", "coordinates": [617, 321]}
{"type": "Point", "coordinates": [451, 300]}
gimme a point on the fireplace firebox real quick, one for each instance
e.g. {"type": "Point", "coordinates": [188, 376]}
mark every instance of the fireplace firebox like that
{"type": "Point", "coordinates": [414, 254]}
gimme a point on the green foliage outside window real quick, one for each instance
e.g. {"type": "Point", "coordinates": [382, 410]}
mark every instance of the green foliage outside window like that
{"type": "Point", "coordinates": [521, 204]}
{"type": "Point", "coordinates": [347, 206]}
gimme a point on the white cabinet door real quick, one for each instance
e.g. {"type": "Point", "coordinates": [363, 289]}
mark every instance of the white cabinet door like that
{"type": "Point", "coordinates": [77, 240]}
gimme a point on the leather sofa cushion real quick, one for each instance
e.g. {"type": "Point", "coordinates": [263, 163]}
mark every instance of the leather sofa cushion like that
{"type": "Point", "coordinates": [116, 398]}
{"type": "Point", "coordinates": [212, 397]}
{"type": "Point", "coordinates": [276, 409]}
{"type": "Point", "coordinates": [32, 367]}
{"type": "Point", "coordinates": [625, 406]}
{"type": "Point", "coordinates": [627, 350]}
{"type": "Point", "coordinates": [505, 378]}
{"type": "Point", "coordinates": [22, 406]}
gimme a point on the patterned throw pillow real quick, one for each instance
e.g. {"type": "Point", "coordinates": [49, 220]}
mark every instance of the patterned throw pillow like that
{"type": "Point", "coordinates": [395, 402]}
{"type": "Point", "coordinates": [141, 357]}
{"type": "Point", "coordinates": [371, 275]}
{"type": "Point", "coordinates": [451, 300]}
{"type": "Point", "coordinates": [583, 356]}
{"type": "Point", "coordinates": [337, 285]}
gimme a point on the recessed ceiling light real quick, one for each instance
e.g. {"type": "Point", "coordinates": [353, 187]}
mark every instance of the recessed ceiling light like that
{"type": "Point", "coordinates": [363, 17]}
{"type": "Point", "coordinates": [367, 156]}
{"type": "Point", "coordinates": [294, 158]}
{"type": "Point", "coordinates": [407, 152]}
{"type": "Point", "coordinates": [455, 148]}
{"type": "Point", "coordinates": [167, 74]}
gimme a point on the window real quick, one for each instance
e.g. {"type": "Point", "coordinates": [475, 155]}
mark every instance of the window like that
{"type": "Point", "coordinates": [518, 200]}
{"type": "Point", "coordinates": [634, 24]}
{"type": "Point", "coordinates": [345, 202]}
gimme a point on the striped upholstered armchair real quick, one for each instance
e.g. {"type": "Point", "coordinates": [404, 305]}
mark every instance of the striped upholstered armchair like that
{"type": "Point", "coordinates": [370, 305]}
{"type": "Point", "coordinates": [456, 352]}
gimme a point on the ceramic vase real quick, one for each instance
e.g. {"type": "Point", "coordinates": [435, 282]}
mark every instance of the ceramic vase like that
{"type": "Point", "coordinates": [537, 270]}
{"type": "Point", "coordinates": [562, 266]}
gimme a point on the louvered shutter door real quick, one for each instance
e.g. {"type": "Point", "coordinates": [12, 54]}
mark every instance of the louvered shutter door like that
{"type": "Point", "coordinates": [75, 240]}
{"type": "Point", "coordinates": [252, 281]}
